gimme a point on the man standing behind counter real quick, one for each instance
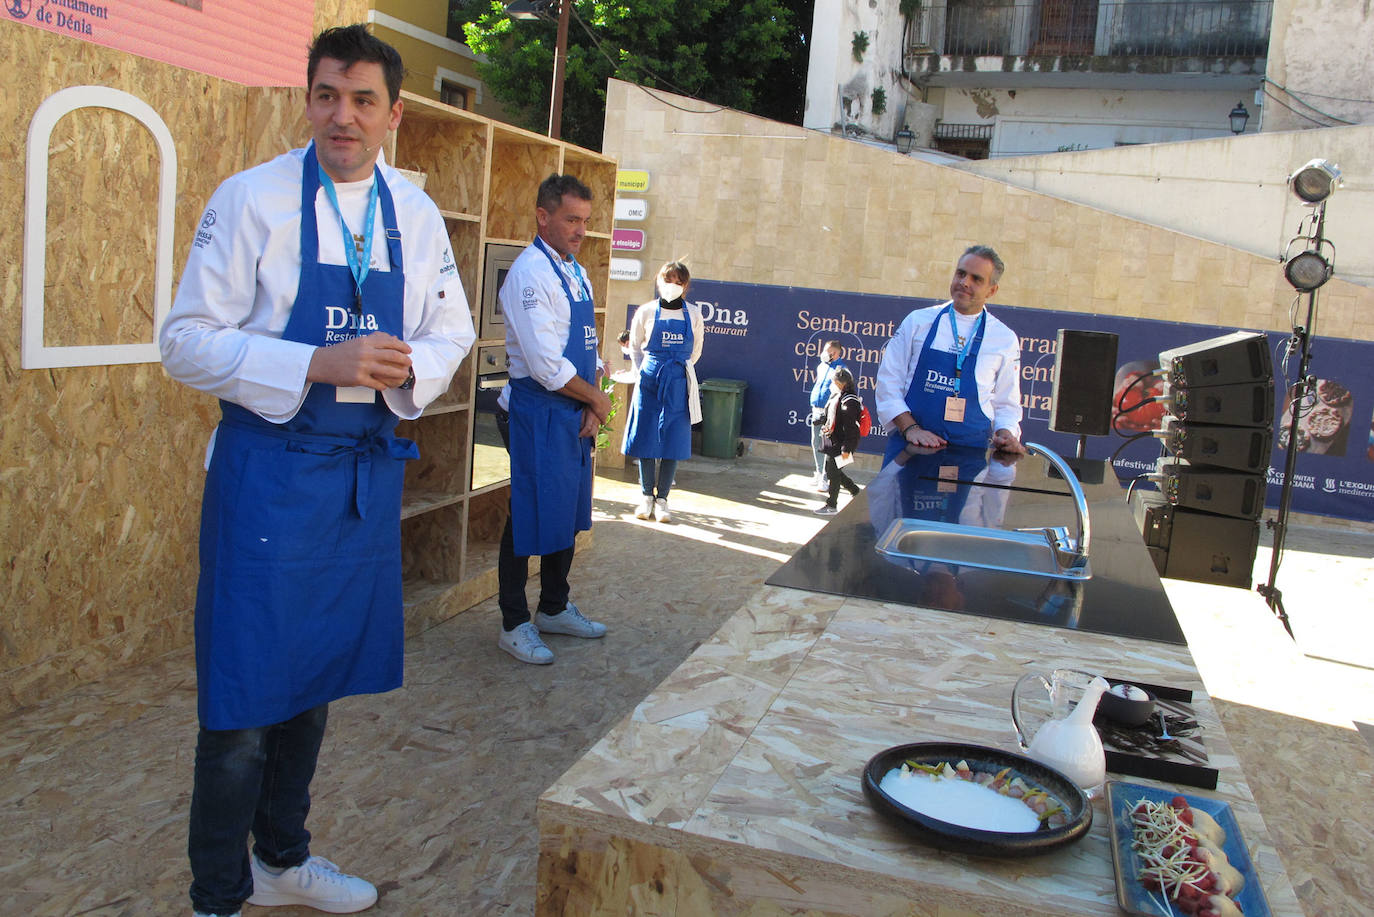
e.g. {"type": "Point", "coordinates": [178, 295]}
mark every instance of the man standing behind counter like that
{"type": "Point", "coordinates": [320, 301]}
{"type": "Point", "coordinates": [555, 406]}
{"type": "Point", "coordinates": [951, 373]}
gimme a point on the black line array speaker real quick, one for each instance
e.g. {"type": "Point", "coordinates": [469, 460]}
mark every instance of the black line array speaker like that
{"type": "Point", "coordinates": [1242, 404]}
{"type": "Point", "coordinates": [1242, 356]}
{"type": "Point", "coordinates": [1198, 547]}
{"type": "Point", "coordinates": [1236, 448]}
{"type": "Point", "coordinates": [1212, 490]}
{"type": "Point", "coordinates": [1084, 367]}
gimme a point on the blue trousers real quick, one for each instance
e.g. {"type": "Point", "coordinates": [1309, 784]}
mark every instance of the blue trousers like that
{"type": "Point", "coordinates": [250, 780]}
{"type": "Point", "coordinates": [658, 481]}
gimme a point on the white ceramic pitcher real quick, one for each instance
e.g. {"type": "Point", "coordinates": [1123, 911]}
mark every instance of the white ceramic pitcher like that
{"type": "Point", "coordinates": [1067, 742]}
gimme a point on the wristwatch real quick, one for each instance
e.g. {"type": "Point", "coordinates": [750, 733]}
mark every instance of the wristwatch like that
{"type": "Point", "coordinates": [410, 380]}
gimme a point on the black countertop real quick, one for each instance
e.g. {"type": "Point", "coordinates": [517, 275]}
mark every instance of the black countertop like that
{"type": "Point", "coordinates": [1123, 598]}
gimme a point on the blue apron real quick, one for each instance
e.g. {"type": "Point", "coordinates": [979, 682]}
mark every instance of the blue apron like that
{"type": "Point", "coordinates": [299, 599]}
{"type": "Point", "coordinates": [550, 464]}
{"type": "Point", "coordinates": [927, 490]}
{"type": "Point", "coordinates": [659, 426]}
{"type": "Point", "coordinates": [937, 377]}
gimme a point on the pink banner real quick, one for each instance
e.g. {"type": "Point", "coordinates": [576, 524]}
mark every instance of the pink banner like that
{"type": "Point", "coordinates": [247, 41]}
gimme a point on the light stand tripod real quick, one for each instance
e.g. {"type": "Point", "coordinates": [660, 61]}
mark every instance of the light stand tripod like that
{"type": "Point", "coordinates": [1306, 271]}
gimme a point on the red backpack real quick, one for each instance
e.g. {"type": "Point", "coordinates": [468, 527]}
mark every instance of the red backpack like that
{"type": "Point", "coordinates": [865, 421]}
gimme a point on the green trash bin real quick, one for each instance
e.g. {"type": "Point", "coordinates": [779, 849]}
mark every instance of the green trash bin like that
{"type": "Point", "coordinates": [722, 407]}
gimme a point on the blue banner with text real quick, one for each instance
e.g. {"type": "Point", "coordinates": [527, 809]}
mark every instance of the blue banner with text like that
{"type": "Point", "coordinates": [771, 338]}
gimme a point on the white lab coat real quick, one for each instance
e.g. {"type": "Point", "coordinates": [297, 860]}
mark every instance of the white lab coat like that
{"type": "Point", "coordinates": [642, 325]}
{"type": "Point", "coordinates": [223, 335]}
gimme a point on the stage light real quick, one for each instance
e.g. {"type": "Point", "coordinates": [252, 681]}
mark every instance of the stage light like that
{"type": "Point", "coordinates": [1316, 181]}
{"type": "Point", "coordinates": [1307, 270]}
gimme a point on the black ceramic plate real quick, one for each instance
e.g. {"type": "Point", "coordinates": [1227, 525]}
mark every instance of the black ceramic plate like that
{"type": "Point", "coordinates": [977, 841]}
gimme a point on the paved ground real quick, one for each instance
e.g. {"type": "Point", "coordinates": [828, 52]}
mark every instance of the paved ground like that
{"type": "Point", "coordinates": [430, 790]}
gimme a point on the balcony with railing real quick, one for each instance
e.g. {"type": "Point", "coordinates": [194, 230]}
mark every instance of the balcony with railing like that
{"type": "Point", "coordinates": [1137, 36]}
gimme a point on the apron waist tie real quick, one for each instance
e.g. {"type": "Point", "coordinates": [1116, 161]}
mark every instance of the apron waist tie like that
{"type": "Point", "coordinates": [671, 389]}
{"type": "Point", "coordinates": [363, 449]}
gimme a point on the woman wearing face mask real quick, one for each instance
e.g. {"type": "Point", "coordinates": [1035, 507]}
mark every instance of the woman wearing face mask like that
{"type": "Point", "coordinates": [840, 437]}
{"type": "Point", "coordinates": [665, 343]}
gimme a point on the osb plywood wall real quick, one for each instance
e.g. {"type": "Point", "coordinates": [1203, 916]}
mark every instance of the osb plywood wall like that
{"type": "Point", "coordinates": [100, 467]}
{"type": "Point", "coordinates": [746, 199]}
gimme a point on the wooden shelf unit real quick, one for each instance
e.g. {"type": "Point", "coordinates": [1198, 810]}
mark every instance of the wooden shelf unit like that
{"type": "Point", "coordinates": [483, 176]}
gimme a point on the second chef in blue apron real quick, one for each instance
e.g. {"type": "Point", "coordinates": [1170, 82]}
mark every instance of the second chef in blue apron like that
{"type": "Point", "coordinates": [555, 406]}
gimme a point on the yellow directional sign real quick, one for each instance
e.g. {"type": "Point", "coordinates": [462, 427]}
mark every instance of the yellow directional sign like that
{"type": "Point", "coordinates": [631, 180]}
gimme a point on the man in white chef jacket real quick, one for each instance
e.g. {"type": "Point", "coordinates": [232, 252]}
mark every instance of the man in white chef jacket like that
{"type": "Point", "coordinates": [320, 302]}
{"type": "Point", "coordinates": [555, 406]}
{"type": "Point", "coordinates": [950, 375]}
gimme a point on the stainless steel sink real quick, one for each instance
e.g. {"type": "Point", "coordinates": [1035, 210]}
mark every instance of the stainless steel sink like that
{"type": "Point", "coordinates": [1048, 551]}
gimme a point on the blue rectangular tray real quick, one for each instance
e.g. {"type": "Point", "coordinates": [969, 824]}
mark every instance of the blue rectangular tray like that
{"type": "Point", "coordinates": [1122, 798]}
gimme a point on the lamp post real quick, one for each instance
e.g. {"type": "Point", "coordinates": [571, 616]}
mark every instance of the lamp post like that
{"type": "Point", "coordinates": [905, 138]}
{"type": "Point", "coordinates": [1239, 116]}
{"type": "Point", "coordinates": [540, 9]}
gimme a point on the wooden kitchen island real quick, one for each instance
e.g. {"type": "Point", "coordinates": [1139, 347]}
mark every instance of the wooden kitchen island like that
{"type": "Point", "coordinates": [734, 787]}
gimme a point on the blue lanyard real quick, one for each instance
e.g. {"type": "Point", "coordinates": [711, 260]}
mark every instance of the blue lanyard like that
{"type": "Point", "coordinates": [358, 266]}
{"type": "Point", "coordinates": [576, 271]}
{"type": "Point", "coordinates": [968, 344]}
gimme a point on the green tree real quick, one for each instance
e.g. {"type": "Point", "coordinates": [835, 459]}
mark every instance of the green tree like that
{"type": "Point", "coordinates": [727, 53]}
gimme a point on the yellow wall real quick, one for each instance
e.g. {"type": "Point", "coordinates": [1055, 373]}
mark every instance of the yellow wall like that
{"type": "Point", "coordinates": [428, 53]}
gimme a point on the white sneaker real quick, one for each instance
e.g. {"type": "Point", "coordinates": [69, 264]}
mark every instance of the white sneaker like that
{"type": "Point", "coordinates": [569, 621]}
{"type": "Point", "coordinates": [823, 485]}
{"type": "Point", "coordinates": [525, 644]}
{"type": "Point", "coordinates": [199, 914]}
{"type": "Point", "coordinates": [661, 511]}
{"type": "Point", "coordinates": [315, 883]}
{"type": "Point", "coordinates": [646, 508]}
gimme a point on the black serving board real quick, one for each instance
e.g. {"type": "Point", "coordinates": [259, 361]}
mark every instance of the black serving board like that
{"type": "Point", "coordinates": [1136, 751]}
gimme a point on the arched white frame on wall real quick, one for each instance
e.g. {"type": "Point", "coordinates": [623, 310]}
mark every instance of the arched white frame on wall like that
{"type": "Point", "coordinates": [33, 353]}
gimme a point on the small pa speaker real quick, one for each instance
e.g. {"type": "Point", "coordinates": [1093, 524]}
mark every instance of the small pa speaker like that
{"type": "Point", "coordinates": [1084, 368]}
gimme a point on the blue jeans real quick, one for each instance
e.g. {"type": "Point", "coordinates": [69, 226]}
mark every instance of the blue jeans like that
{"type": "Point", "coordinates": [816, 452]}
{"type": "Point", "coordinates": [656, 482]}
{"type": "Point", "coordinates": [250, 779]}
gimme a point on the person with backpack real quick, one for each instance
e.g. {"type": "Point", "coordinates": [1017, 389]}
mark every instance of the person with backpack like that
{"type": "Point", "coordinates": [831, 359]}
{"type": "Point", "coordinates": [840, 436]}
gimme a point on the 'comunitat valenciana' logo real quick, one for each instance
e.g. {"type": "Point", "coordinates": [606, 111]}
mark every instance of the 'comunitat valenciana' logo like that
{"type": "Point", "coordinates": [19, 9]}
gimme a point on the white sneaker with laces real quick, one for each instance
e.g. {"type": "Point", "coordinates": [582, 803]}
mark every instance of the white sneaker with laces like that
{"type": "Point", "coordinates": [823, 486]}
{"type": "Point", "coordinates": [646, 507]}
{"type": "Point", "coordinates": [315, 883]}
{"type": "Point", "coordinates": [569, 621]}
{"type": "Point", "coordinates": [661, 511]}
{"type": "Point", "coordinates": [525, 644]}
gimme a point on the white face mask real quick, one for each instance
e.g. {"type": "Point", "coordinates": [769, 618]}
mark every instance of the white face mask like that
{"type": "Point", "coordinates": [670, 291]}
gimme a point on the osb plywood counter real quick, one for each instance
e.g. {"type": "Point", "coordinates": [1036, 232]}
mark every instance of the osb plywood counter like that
{"type": "Point", "coordinates": [734, 788]}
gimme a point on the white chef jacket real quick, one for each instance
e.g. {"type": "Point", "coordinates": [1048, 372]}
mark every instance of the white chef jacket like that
{"type": "Point", "coordinates": [997, 369]}
{"type": "Point", "coordinates": [223, 335]}
{"type": "Point", "coordinates": [642, 325]}
{"type": "Point", "coordinates": [537, 314]}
